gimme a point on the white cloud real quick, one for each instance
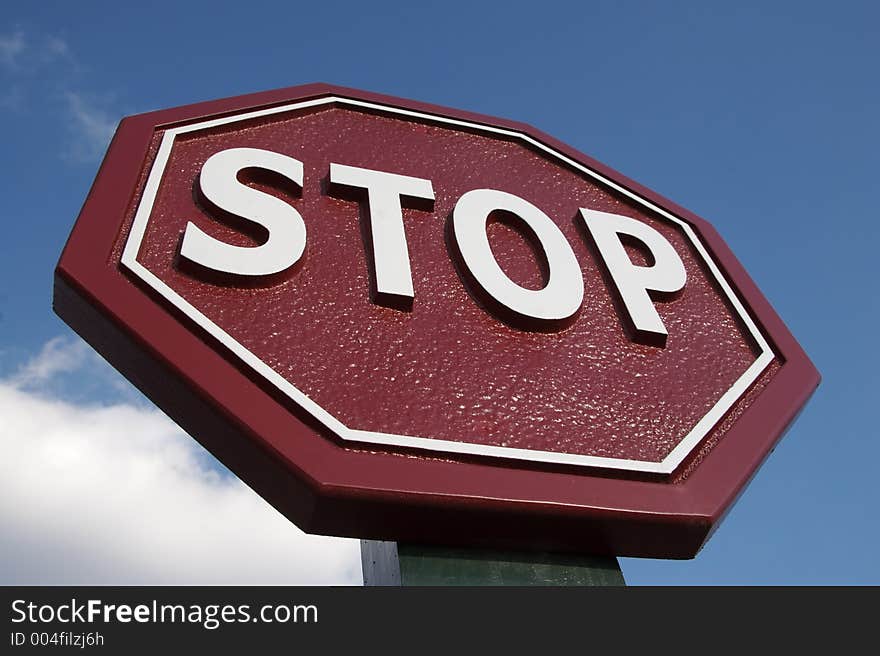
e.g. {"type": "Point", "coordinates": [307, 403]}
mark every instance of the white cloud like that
{"type": "Point", "coordinates": [11, 48]}
{"type": "Point", "coordinates": [25, 54]}
{"type": "Point", "coordinates": [92, 126]}
{"type": "Point", "coordinates": [56, 48]}
{"type": "Point", "coordinates": [58, 355]}
{"type": "Point", "coordinates": [119, 495]}
{"type": "Point", "coordinates": [35, 66]}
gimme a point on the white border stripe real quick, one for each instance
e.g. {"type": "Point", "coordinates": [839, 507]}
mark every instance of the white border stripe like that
{"type": "Point", "coordinates": [669, 463]}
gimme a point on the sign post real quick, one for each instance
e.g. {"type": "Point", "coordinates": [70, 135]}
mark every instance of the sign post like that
{"type": "Point", "coordinates": [408, 323]}
{"type": "Point", "coordinates": [393, 564]}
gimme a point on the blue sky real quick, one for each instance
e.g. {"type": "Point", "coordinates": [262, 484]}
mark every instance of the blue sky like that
{"type": "Point", "coordinates": [760, 117]}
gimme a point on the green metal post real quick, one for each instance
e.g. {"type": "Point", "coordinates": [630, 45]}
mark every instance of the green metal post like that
{"type": "Point", "coordinates": [404, 564]}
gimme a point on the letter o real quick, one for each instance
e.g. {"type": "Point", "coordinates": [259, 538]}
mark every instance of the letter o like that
{"type": "Point", "coordinates": [563, 294]}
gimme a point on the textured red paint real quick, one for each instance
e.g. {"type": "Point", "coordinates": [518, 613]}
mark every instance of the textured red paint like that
{"type": "Point", "coordinates": [327, 486]}
{"type": "Point", "coordinates": [448, 369]}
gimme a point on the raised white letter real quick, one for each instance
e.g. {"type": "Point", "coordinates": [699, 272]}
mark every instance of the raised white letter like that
{"type": "Point", "coordinates": [390, 252]}
{"type": "Point", "coordinates": [219, 183]}
{"type": "Point", "coordinates": [564, 292]}
{"type": "Point", "coordinates": [633, 282]}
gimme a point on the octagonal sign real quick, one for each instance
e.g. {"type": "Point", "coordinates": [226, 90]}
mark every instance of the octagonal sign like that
{"type": "Point", "coordinates": [400, 321]}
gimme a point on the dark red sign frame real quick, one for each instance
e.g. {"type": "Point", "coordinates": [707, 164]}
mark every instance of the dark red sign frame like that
{"type": "Point", "coordinates": [331, 488]}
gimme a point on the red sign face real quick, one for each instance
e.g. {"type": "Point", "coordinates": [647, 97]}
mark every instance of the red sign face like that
{"type": "Point", "coordinates": [405, 322]}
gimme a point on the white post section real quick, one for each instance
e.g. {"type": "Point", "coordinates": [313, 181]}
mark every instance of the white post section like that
{"type": "Point", "coordinates": [633, 282]}
{"type": "Point", "coordinates": [390, 251]}
{"type": "Point", "coordinates": [219, 183]}
{"type": "Point", "coordinates": [564, 292]}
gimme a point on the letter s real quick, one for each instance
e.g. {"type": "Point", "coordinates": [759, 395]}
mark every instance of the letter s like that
{"type": "Point", "coordinates": [219, 183]}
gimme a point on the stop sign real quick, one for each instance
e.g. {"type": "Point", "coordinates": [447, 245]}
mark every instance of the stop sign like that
{"type": "Point", "coordinates": [405, 322]}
